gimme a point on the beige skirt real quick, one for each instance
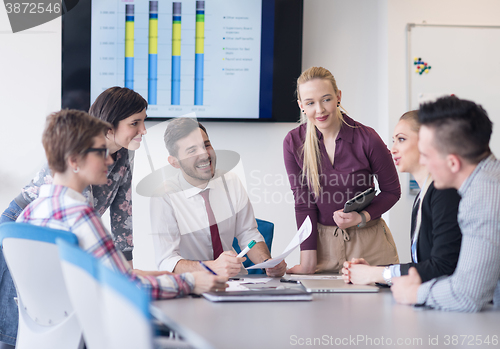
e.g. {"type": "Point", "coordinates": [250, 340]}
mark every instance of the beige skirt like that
{"type": "Point", "coordinates": [373, 242]}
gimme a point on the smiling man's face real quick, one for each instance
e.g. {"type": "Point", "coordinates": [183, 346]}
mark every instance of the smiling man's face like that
{"type": "Point", "coordinates": [196, 158]}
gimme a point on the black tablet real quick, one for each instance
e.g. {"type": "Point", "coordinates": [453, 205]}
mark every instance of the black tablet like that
{"type": "Point", "coordinates": [360, 201]}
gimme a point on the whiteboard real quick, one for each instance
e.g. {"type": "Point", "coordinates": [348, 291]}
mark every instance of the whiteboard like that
{"type": "Point", "coordinates": [464, 60]}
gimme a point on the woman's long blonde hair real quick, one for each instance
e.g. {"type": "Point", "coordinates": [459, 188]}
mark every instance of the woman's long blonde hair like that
{"type": "Point", "coordinates": [310, 151]}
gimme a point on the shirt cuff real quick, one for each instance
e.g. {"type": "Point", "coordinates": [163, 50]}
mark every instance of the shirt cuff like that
{"type": "Point", "coordinates": [169, 264]}
{"type": "Point", "coordinates": [189, 278]}
{"type": "Point", "coordinates": [395, 270]}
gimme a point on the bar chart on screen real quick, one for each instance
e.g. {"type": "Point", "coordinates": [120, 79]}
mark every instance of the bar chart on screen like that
{"type": "Point", "coordinates": [182, 56]}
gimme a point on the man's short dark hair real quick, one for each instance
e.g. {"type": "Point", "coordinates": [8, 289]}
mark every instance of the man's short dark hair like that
{"type": "Point", "coordinates": [178, 129]}
{"type": "Point", "coordinates": [461, 127]}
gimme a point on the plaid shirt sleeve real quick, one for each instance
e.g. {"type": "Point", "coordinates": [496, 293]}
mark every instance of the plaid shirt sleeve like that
{"type": "Point", "coordinates": [95, 239]}
{"type": "Point", "coordinates": [477, 274]}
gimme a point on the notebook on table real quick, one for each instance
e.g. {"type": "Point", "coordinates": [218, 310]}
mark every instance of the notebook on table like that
{"type": "Point", "coordinates": [335, 286]}
{"type": "Point", "coordinates": [256, 295]}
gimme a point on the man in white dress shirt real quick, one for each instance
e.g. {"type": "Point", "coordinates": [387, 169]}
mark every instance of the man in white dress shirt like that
{"type": "Point", "coordinates": [202, 210]}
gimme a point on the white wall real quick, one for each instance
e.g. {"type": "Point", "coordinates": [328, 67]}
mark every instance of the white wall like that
{"type": "Point", "coordinates": [30, 88]}
{"type": "Point", "coordinates": [361, 41]}
{"type": "Point", "coordinates": [401, 12]}
{"type": "Point", "coordinates": [349, 39]}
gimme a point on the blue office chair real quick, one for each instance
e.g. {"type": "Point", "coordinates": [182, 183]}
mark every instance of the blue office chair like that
{"type": "Point", "coordinates": [126, 314]}
{"type": "Point", "coordinates": [102, 310]}
{"type": "Point", "coordinates": [46, 317]}
{"type": "Point", "coordinates": [126, 311]}
{"type": "Point", "coordinates": [267, 230]}
{"type": "Point", "coordinates": [84, 289]}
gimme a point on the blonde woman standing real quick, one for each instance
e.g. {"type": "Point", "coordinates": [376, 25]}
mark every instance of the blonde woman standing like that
{"type": "Point", "coordinates": [330, 158]}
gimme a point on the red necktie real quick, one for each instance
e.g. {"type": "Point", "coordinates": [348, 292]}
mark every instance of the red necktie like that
{"type": "Point", "coordinates": [214, 229]}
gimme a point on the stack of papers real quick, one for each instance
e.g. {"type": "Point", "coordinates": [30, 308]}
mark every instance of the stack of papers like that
{"type": "Point", "coordinates": [239, 285]}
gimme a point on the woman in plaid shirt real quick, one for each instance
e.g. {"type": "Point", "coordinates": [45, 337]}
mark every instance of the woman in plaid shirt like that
{"type": "Point", "coordinates": [125, 110]}
{"type": "Point", "coordinates": [78, 156]}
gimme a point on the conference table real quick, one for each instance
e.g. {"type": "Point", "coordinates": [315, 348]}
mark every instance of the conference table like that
{"type": "Point", "coordinates": [360, 320]}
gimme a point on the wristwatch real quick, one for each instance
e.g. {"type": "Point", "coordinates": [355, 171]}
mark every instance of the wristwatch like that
{"type": "Point", "coordinates": [386, 274]}
{"type": "Point", "coordinates": [363, 220]}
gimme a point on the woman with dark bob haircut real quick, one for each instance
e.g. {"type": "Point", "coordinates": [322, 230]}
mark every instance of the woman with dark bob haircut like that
{"type": "Point", "coordinates": [124, 110]}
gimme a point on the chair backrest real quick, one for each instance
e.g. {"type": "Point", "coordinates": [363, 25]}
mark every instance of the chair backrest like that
{"type": "Point", "coordinates": [112, 310]}
{"type": "Point", "coordinates": [45, 311]}
{"type": "Point", "coordinates": [126, 311]}
{"type": "Point", "coordinates": [80, 270]}
{"type": "Point", "coordinates": [267, 230]}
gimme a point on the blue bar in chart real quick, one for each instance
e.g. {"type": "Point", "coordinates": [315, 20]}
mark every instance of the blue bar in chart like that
{"type": "Point", "coordinates": [199, 52]}
{"type": "Point", "coordinates": [129, 46]}
{"type": "Point", "coordinates": [153, 53]}
{"type": "Point", "coordinates": [176, 54]}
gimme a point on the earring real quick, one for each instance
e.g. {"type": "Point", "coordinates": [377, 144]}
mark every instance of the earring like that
{"type": "Point", "coordinates": [76, 170]}
{"type": "Point", "coordinates": [302, 110]}
{"type": "Point", "coordinates": [338, 104]}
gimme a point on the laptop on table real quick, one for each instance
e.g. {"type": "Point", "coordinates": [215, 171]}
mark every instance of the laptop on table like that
{"type": "Point", "coordinates": [335, 286]}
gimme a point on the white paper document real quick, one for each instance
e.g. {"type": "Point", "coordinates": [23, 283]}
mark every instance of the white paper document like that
{"type": "Point", "coordinates": [302, 234]}
{"type": "Point", "coordinates": [235, 286]}
{"type": "Point", "coordinates": [255, 280]}
{"type": "Point", "coordinates": [240, 285]}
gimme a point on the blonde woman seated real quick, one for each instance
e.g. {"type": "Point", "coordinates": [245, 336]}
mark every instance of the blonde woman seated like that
{"type": "Point", "coordinates": [75, 146]}
{"type": "Point", "coordinates": [435, 234]}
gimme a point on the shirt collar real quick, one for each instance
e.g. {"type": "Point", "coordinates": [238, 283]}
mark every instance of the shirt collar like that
{"type": "Point", "coordinates": [346, 132]}
{"type": "Point", "coordinates": [190, 190]}
{"type": "Point", "coordinates": [467, 183]}
{"type": "Point", "coordinates": [51, 190]}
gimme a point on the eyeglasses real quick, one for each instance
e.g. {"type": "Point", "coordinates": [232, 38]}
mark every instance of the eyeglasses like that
{"type": "Point", "coordinates": [104, 152]}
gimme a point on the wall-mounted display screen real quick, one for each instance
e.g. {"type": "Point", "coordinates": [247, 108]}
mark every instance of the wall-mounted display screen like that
{"type": "Point", "coordinates": [221, 59]}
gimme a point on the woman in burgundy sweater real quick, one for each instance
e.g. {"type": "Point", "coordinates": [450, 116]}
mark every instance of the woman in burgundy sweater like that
{"type": "Point", "coordinates": [330, 158]}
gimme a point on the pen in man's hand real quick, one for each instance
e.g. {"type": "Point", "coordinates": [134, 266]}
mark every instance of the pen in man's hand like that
{"type": "Point", "coordinates": [207, 268]}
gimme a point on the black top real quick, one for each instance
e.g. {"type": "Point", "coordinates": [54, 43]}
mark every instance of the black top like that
{"type": "Point", "coordinates": [439, 240]}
